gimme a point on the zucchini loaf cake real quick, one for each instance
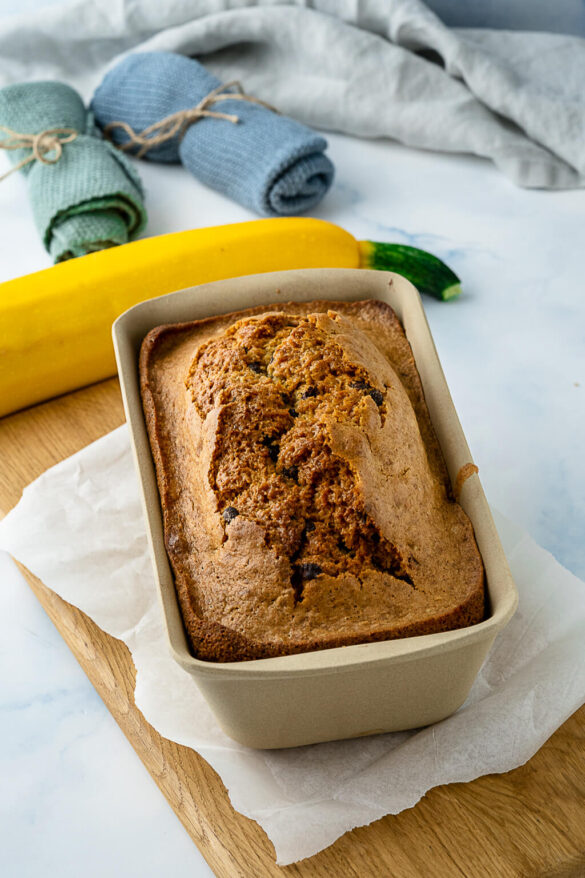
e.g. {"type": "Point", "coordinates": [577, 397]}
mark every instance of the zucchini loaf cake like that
{"type": "Point", "coordinates": [305, 498]}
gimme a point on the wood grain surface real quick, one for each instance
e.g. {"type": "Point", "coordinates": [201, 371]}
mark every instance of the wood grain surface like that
{"type": "Point", "coordinates": [528, 822]}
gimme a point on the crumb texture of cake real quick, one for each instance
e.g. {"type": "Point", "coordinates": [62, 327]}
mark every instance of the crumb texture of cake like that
{"type": "Point", "coordinates": [306, 501]}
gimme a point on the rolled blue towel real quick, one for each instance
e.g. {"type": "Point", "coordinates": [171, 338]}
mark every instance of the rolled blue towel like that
{"type": "Point", "coordinates": [267, 162]}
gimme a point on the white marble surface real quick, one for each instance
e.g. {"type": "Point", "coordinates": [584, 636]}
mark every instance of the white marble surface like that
{"type": "Point", "coordinates": [513, 350]}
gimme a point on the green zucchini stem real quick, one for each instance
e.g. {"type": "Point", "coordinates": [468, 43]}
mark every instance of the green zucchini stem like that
{"type": "Point", "coordinates": [427, 272]}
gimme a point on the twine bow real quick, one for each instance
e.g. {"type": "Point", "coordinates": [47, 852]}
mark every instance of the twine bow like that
{"type": "Point", "coordinates": [50, 140]}
{"type": "Point", "coordinates": [176, 124]}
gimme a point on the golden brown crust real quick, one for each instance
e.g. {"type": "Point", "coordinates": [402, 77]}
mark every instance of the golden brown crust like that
{"type": "Point", "coordinates": [465, 472]}
{"type": "Point", "coordinates": [305, 499]}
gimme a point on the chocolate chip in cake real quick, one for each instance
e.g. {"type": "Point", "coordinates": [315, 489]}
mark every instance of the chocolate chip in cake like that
{"type": "Point", "coordinates": [309, 525]}
{"type": "Point", "coordinates": [291, 472]}
{"type": "Point", "coordinates": [310, 391]}
{"type": "Point", "coordinates": [273, 448]}
{"type": "Point", "coordinates": [229, 514]}
{"type": "Point", "coordinates": [376, 394]}
{"type": "Point", "coordinates": [256, 367]}
{"type": "Point", "coordinates": [293, 413]}
{"type": "Point", "coordinates": [309, 570]}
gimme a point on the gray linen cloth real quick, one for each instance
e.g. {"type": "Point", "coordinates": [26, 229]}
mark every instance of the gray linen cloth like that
{"type": "Point", "coordinates": [375, 68]}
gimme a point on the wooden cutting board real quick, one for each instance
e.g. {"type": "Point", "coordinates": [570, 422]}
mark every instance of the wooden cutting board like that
{"type": "Point", "coordinates": [529, 822]}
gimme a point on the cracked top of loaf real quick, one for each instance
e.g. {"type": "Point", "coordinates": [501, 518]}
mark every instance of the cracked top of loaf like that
{"type": "Point", "coordinates": [305, 498]}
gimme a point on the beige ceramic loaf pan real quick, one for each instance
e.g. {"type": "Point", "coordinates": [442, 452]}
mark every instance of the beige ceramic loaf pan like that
{"type": "Point", "coordinates": [352, 690]}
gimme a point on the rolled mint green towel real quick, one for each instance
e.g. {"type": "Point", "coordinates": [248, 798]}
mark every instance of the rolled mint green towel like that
{"type": "Point", "coordinates": [91, 197]}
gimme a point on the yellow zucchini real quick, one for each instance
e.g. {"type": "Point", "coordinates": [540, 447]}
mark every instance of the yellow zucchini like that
{"type": "Point", "coordinates": [55, 325]}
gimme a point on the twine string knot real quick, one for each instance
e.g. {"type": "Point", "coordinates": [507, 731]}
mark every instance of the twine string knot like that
{"type": "Point", "coordinates": [177, 124]}
{"type": "Point", "coordinates": [50, 140]}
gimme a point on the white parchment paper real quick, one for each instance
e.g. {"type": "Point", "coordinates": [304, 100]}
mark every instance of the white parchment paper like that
{"type": "Point", "coordinates": [79, 528]}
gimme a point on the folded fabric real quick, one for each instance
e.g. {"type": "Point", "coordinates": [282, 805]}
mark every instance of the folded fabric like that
{"type": "Point", "coordinates": [382, 68]}
{"type": "Point", "coordinates": [89, 196]}
{"type": "Point", "coordinates": [265, 161]}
